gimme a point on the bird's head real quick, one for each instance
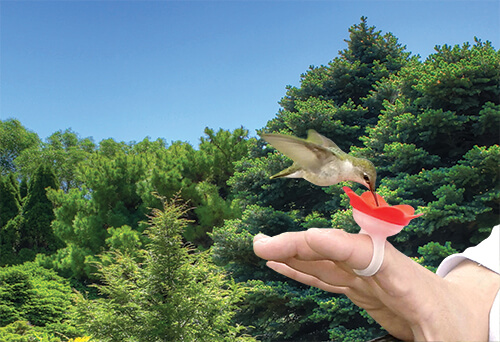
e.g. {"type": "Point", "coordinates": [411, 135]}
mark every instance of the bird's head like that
{"type": "Point", "coordinates": [366, 175]}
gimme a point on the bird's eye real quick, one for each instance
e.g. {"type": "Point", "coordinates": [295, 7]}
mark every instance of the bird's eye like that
{"type": "Point", "coordinates": [366, 178]}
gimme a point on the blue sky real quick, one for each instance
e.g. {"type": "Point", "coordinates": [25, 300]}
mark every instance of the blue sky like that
{"type": "Point", "coordinates": [167, 69]}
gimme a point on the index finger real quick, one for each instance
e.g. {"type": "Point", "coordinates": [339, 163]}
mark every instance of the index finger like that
{"type": "Point", "coordinates": [316, 244]}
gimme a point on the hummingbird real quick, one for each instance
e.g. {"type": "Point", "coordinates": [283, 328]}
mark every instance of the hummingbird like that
{"type": "Point", "coordinates": [320, 161]}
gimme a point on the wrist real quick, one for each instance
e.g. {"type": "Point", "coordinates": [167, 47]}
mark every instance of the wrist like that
{"type": "Point", "coordinates": [460, 309]}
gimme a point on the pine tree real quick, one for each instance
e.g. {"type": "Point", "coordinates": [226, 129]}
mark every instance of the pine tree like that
{"type": "Point", "coordinates": [36, 232]}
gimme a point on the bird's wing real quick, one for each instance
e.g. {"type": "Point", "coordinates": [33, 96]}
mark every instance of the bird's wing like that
{"type": "Point", "coordinates": [319, 139]}
{"type": "Point", "coordinates": [308, 155]}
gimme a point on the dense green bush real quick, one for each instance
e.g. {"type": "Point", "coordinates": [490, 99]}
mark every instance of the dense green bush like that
{"type": "Point", "coordinates": [30, 293]}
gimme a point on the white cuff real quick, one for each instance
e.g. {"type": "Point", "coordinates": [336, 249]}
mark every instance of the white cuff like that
{"type": "Point", "coordinates": [487, 253]}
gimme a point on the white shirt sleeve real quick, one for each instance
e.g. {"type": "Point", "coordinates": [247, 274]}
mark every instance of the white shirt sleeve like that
{"type": "Point", "coordinates": [486, 253]}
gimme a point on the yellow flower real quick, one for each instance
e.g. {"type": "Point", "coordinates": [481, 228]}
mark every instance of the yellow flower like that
{"type": "Point", "coordinates": [80, 339]}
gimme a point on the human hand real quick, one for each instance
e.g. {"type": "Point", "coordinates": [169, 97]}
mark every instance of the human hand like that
{"type": "Point", "coordinates": [408, 300]}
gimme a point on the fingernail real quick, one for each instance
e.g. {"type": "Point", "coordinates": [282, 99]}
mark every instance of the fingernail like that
{"type": "Point", "coordinates": [262, 238]}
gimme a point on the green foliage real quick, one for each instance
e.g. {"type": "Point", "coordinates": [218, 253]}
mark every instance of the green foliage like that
{"type": "Point", "coordinates": [9, 243]}
{"type": "Point", "coordinates": [350, 335]}
{"type": "Point", "coordinates": [30, 293]}
{"type": "Point", "coordinates": [461, 201]}
{"type": "Point", "coordinates": [164, 293]}
{"type": "Point", "coordinates": [434, 148]}
{"type": "Point", "coordinates": [36, 231]}
{"type": "Point", "coordinates": [118, 185]}
{"type": "Point", "coordinates": [430, 127]}
{"type": "Point", "coordinates": [433, 253]}
{"type": "Point", "coordinates": [10, 200]}
{"type": "Point", "coordinates": [282, 310]}
{"type": "Point", "coordinates": [124, 239]}
{"type": "Point", "coordinates": [30, 232]}
{"type": "Point", "coordinates": [460, 79]}
{"type": "Point", "coordinates": [222, 149]}
{"type": "Point", "coordinates": [63, 150]}
{"type": "Point", "coordinates": [233, 241]}
{"type": "Point", "coordinates": [14, 139]}
{"type": "Point", "coordinates": [23, 331]}
{"type": "Point", "coordinates": [211, 211]}
{"type": "Point", "coordinates": [23, 188]}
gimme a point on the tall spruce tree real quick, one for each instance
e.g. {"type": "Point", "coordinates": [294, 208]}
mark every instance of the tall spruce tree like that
{"type": "Point", "coordinates": [368, 58]}
{"type": "Point", "coordinates": [423, 124]}
{"type": "Point", "coordinates": [329, 100]}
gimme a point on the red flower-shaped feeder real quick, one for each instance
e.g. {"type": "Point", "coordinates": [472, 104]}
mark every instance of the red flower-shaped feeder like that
{"type": "Point", "coordinates": [378, 222]}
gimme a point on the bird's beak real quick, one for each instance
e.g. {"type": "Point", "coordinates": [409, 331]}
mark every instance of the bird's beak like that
{"type": "Point", "coordinates": [374, 194]}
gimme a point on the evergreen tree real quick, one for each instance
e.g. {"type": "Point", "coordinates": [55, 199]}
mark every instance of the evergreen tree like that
{"type": "Point", "coordinates": [36, 232]}
{"type": "Point", "coordinates": [423, 124]}
{"type": "Point", "coordinates": [9, 199]}
{"type": "Point", "coordinates": [29, 229]}
{"type": "Point", "coordinates": [442, 153]}
{"type": "Point", "coordinates": [108, 200]}
{"type": "Point", "coordinates": [165, 293]}
{"type": "Point", "coordinates": [368, 58]}
{"type": "Point", "coordinates": [223, 149]}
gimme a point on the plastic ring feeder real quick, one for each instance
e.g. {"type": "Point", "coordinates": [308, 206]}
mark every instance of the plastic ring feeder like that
{"type": "Point", "coordinates": [378, 222]}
